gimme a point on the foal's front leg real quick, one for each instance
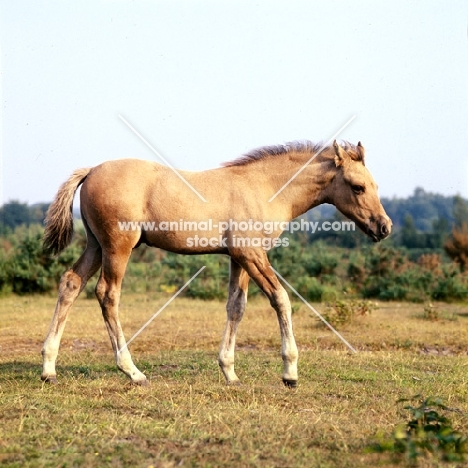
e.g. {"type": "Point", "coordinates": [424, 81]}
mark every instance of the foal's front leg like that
{"type": "Point", "coordinates": [258, 267]}
{"type": "Point", "coordinates": [280, 302]}
{"type": "Point", "coordinates": [235, 307]}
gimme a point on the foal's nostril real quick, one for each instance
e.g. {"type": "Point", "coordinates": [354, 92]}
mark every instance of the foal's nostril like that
{"type": "Point", "coordinates": [383, 230]}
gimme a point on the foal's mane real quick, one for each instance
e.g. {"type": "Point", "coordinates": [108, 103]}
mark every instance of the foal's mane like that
{"type": "Point", "coordinates": [288, 148]}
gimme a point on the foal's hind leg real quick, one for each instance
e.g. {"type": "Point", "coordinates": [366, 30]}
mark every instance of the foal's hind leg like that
{"type": "Point", "coordinates": [237, 300]}
{"type": "Point", "coordinates": [71, 284]}
{"type": "Point", "coordinates": [259, 269]}
{"type": "Point", "coordinates": [108, 291]}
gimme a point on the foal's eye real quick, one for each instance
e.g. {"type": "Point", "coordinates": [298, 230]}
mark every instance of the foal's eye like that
{"type": "Point", "coordinates": [357, 189]}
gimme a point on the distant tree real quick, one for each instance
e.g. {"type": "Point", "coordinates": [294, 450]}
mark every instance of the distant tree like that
{"type": "Point", "coordinates": [14, 214]}
{"type": "Point", "coordinates": [423, 206]}
{"type": "Point", "coordinates": [410, 237]}
{"type": "Point", "coordinates": [440, 230]}
{"type": "Point", "coordinates": [419, 192]}
{"type": "Point", "coordinates": [460, 211]}
{"type": "Point", "coordinates": [457, 246]}
{"type": "Point", "coordinates": [37, 212]}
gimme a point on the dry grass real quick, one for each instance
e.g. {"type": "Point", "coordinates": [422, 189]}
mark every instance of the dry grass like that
{"type": "Point", "coordinates": [188, 417]}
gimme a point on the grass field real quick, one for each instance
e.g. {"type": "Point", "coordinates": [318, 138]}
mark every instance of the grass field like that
{"type": "Point", "coordinates": [189, 417]}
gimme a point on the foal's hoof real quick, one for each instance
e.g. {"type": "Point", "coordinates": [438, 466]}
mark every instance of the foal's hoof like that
{"type": "Point", "coordinates": [141, 383]}
{"type": "Point", "coordinates": [290, 383]}
{"type": "Point", "coordinates": [51, 379]}
{"type": "Point", "coordinates": [234, 383]}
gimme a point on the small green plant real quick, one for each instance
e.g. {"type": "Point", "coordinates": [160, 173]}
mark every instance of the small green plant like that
{"type": "Point", "coordinates": [427, 432]}
{"type": "Point", "coordinates": [431, 312]}
{"type": "Point", "coordinates": [295, 307]}
{"type": "Point", "coordinates": [342, 312]}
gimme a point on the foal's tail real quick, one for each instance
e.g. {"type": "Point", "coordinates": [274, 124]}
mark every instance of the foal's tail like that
{"type": "Point", "coordinates": [59, 219]}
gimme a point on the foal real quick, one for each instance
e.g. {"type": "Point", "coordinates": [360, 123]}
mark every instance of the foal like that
{"type": "Point", "coordinates": [269, 185]}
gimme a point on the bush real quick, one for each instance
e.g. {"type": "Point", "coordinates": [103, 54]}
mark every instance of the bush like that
{"type": "Point", "coordinates": [290, 261]}
{"type": "Point", "coordinates": [309, 288]}
{"type": "Point", "coordinates": [356, 270]}
{"type": "Point", "coordinates": [450, 285]}
{"type": "Point", "coordinates": [212, 282]}
{"type": "Point", "coordinates": [26, 269]}
{"type": "Point", "coordinates": [319, 272]}
{"type": "Point", "coordinates": [428, 432]}
{"type": "Point", "coordinates": [457, 246]}
{"type": "Point", "coordinates": [320, 261]}
{"type": "Point", "coordinates": [391, 276]}
{"type": "Point", "coordinates": [343, 312]}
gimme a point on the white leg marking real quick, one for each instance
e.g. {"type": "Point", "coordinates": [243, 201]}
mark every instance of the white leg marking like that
{"type": "Point", "coordinates": [289, 351]}
{"type": "Point", "coordinates": [235, 307]}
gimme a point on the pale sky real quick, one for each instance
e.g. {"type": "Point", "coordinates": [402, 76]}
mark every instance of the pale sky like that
{"type": "Point", "coordinates": [206, 81]}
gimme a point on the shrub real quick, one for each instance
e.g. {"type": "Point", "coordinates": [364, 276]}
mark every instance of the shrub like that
{"type": "Point", "coordinates": [290, 260]}
{"type": "Point", "coordinates": [309, 288]}
{"type": "Point", "coordinates": [342, 312]}
{"type": "Point", "coordinates": [318, 271]}
{"type": "Point", "coordinates": [399, 279]}
{"type": "Point", "coordinates": [430, 261]}
{"type": "Point", "coordinates": [427, 432]}
{"type": "Point", "coordinates": [27, 269]}
{"type": "Point", "coordinates": [321, 261]}
{"type": "Point", "coordinates": [211, 284]}
{"type": "Point", "coordinates": [431, 312]}
{"type": "Point", "coordinates": [356, 270]}
{"type": "Point", "coordinates": [450, 285]}
{"type": "Point", "coordinates": [457, 246]}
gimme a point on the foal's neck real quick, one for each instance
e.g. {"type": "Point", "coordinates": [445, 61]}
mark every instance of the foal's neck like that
{"type": "Point", "coordinates": [307, 177]}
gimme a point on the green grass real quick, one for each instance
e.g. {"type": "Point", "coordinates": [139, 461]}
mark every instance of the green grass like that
{"type": "Point", "coordinates": [189, 417]}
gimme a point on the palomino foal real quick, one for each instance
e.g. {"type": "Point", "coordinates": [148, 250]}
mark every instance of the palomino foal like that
{"type": "Point", "coordinates": [133, 190]}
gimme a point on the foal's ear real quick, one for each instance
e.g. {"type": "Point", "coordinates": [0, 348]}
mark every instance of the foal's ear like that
{"type": "Point", "coordinates": [360, 151]}
{"type": "Point", "coordinates": [340, 154]}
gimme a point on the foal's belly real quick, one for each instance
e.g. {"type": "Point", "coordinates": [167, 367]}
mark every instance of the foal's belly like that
{"type": "Point", "coordinates": [186, 242]}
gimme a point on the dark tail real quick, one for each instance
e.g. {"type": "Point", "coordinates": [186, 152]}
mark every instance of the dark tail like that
{"type": "Point", "coordinates": [59, 219]}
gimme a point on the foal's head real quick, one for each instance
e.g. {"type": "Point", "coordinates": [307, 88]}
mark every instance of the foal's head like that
{"type": "Point", "coordinates": [355, 192]}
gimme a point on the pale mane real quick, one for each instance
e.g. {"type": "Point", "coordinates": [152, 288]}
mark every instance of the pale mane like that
{"type": "Point", "coordinates": [292, 147]}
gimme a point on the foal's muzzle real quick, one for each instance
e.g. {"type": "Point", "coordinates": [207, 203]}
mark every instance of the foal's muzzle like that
{"type": "Point", "coordinates": [379, 229]}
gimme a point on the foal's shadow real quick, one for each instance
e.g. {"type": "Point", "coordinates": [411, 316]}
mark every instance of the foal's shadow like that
{"type": "Point", "coordinates": [19, 369]}
{"type": "Point", "coordinates": [22, 371]}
